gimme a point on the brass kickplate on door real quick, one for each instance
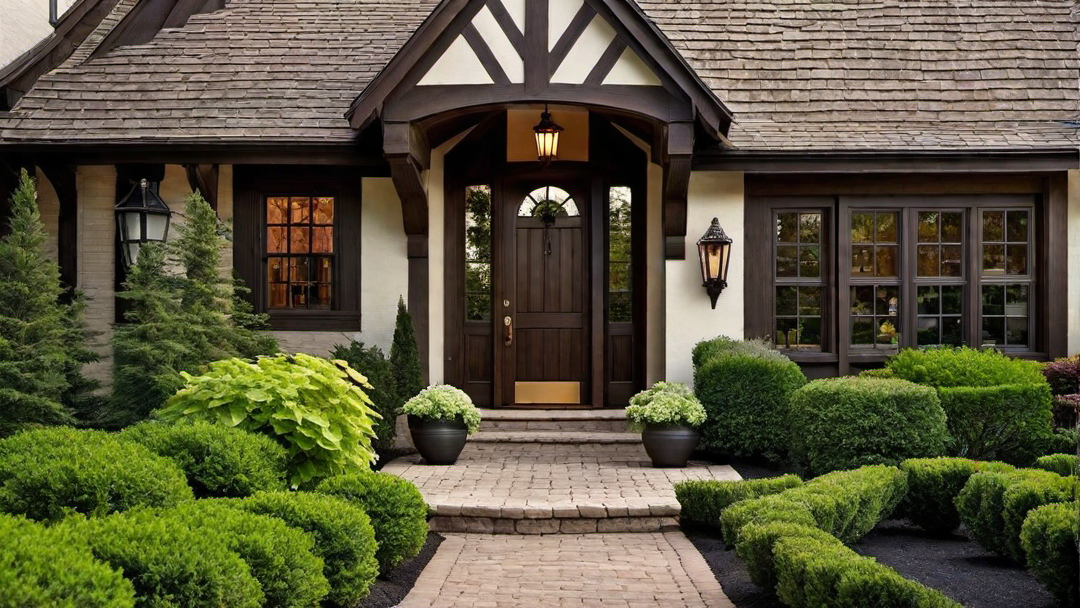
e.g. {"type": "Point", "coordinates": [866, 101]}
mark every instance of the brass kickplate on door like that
{"type": "Point", "coordinates": [547, 392]}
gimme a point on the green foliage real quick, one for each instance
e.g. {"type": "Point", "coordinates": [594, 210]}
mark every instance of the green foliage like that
{"type": "Point", "coordinates": [344, 538]}
{"type": "Point", "coordinates": [171, 565]}
{"type": "Point", "coordinates": [771, 508]}
{"type": "Point", "coordinates": [279, 557]}
{"type": "Point", "coordinates": [933, 485]}
{"type": "Point", "coordinates": [1049, 538]}
{"type": "Point", "coordinates": [444, 402]}
{"type": "Point", "coordinates": [219, 461]}
{"type": "Point", "coordinates": [1028, 493]}
{"type": "Point", "coordinates": [842, 423]}
{"type": "Point", "coordinates": [964, 366]}
{"type": "Point", "coordinates": [745, 388]}
{"type": "Point", "coordinates": [35, 355]}
{"type": "Point", "coordinates": [1010, 422]}
{"type": "Point", "coordinates": [702, 501]}
{"type": "Point", "coordinates": [1063, 441]}
{"type": "Point", "coordinates": [179, 322]}
{"type": "Point", "coordinates": [666, 403]}
{"type": "Point", "coordinates": [883, 372]}
{"type": "Point", "coordinates": [405, 355]}
{"type": "Point", "coordinates": [756, 542]}
{"type": "Point", "coordinates": [1062, 464]}
{"type": "Point", "coordinates": [384, 398]}
{"type": "Point", "coordinates": [40, 568]}
{"type": "Point", "coordinates": [317, 409]}
{"type": "Point", "coordinates": [397, 510]}
{"type": "Point", "coordinates": [47, 474]}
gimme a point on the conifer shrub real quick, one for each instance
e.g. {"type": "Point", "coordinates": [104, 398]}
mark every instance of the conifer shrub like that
{"type": "Point", "coordinates": [405, 355]}
{"type": "Point", "coordinates": [1049, 538]}
{"type": "Point", "coordinates": [372, 363]}
{"type": "Point", "coordinates": [42, 568]}
{"type": "Point", "coordinates": [219, 461]}
{"type": "Point", "coordinates": [702, 501]}
{"type": "Point", "coordinates": [933, 485]}
{"type": "Point", "coordinates": [47, 474]}
{"type": "Point", "coordinates": [1062, 464]}
{"type": "Point", "coordinates": [342, 531]}
{"type": "Point", "coordinates": [396, 507]}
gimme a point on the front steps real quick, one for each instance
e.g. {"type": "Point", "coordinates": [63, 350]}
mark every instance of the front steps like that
{"type": "Point", "coordinates": [581, 421]}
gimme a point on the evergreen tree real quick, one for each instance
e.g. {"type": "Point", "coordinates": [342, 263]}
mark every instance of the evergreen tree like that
{"type": "Point", "coordinates": [34, 355]}
{"type": "Point", "coordinates": [82, 396]}
{"type": "Point", "coordinates": [405, 356]}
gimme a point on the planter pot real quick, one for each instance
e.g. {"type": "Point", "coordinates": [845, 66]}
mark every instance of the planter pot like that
{"type": "Point", "coordinates": [438, 441]}
{"type": "Point", "coordinates": [669, 445]}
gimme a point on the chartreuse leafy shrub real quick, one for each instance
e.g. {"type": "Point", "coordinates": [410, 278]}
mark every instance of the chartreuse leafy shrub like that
{"type": "Point", "coordinates": [40, 568]}
{"type": "Point", "coordinates": [397, 510]}
{"type": "Point", "coordinates": [47, 474]}
{"type": "Point", "coordinates": [344, 538]}
{"type": "Point", "coordinates": [963, 366]}
{"type": "Point", "coordinates": [745, 388]}
{"type": "Point", "coordinates": [1062, 464]}
{"type": "Point", "coordinates": [385, 400]}
{"type": "Point", "coordinates": [665, 403]}
{"type": "Point", "coordinates": [170, 564]}
{"type": "Point", "coordinates": [933, 485]}
{"type": "Point", "coordinates": [444, 402]}
{"type": "Point", "coordinates": [1049, 538]}
{"type": "Point", "coordinates": [219, 461]}
{"type": "Point", "coordinates": [702, 501]}
{"type": "Point", "coordinates": [842, 423]}
{"type": "Point", "coordinates": [318, 409]}
{"type": "Point", "coordinates": [279, 557]}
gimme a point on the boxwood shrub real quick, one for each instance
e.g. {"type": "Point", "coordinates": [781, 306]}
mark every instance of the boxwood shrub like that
{"type": "Point", "coordinates": [169, 564]}
{"type": "Point", "coordinates": [1062, 464]}
{"type": "Point", "coordinates": [1049, 538]}
{"type": "Point", "coordinates": [40, 568]}
{"type": "Point", "coordinates": [842, 423]}
{"type": "Point", "coordinates": [397, 510]}
{"type": "Point", "coordinates": [933, 485]}
{"type": "Point", "coordinates": [1028, 493]}
{"type": "Point", "coordinates": [745, 388]}
{"type": "Point", "coordinates": [220, 461]}
{"type": "Point", "coordinates": [702, 501]}
{"type": "Point", "coordinates": [756, 542]}
{"type": "Point", "coordinates": [280, 557]}
{"type": "Point", "coordinates": [49, 473]}
{"type": "Point", "coordinates": [343, 535]}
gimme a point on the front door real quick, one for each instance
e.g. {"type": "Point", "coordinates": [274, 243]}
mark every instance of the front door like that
{"type": "Point", "coordinates": [542, 337]}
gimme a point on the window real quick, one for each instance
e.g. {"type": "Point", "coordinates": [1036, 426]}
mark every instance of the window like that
{"type": "Point", "coordinates": [300, 252]}
{"type": "Point", "coordinates": [799, 280]}
{"type": "Point", "coordinates": [1006, 277]}
{"type": "Point", "coordinates": [620, 300]}
{"type": "Point", "coordinates": [478, 253]}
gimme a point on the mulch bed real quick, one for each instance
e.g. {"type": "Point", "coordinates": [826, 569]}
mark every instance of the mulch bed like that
{"type": "Point", "coordinates": [390, 590]}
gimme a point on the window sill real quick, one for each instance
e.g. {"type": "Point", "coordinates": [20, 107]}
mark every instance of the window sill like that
{"type": "Point", "coordinates": [315, 320]}
{"type": "Point", "coordinates": [801, 356]}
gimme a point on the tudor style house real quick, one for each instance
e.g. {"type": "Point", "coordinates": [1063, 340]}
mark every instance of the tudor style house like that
{"type": "Point", "coordinates": [534, 176]}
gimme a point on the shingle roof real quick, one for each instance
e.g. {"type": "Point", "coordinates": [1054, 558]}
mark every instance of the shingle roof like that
{"type": "Point", "coordinates": [799, 74]}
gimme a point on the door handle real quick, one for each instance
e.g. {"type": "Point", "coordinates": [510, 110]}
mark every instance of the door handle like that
{"type": "Point", "coordinates": [509, 323]}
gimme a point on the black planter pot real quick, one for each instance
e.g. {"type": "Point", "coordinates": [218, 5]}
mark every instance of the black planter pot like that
{"type": "Point", "coordinates": [438, 441]}
{"type": "Point", "coordinates": [669, 445]}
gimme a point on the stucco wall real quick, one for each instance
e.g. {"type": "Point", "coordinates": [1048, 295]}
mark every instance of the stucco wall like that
{"type": "Point", "coordinates": [1073, 266]}
{"type": "Point", "coordinates": [689, 316]}
{"type": "Point", "coordinates": [96, 241]}
{"type": "Point", "coordinates": [49, 207]}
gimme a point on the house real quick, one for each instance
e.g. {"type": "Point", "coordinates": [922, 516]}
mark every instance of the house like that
{"type": "Point", "coordinates": [889, 174]}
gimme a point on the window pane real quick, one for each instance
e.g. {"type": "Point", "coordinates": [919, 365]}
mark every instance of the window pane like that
{"type": "Point", "coordinates": [928, 227]}
{"type": "Point", "coordinates": [620, 308]}
{"type": "Point", "coordinates": [888, 258]}
{"type": "Point", "coordinates": [928, 299]}
{"type": "Point", "coordinates": [299, 239]}
{"type": "Point", "coordinates": [299, 270]}
{"type": "Point", "coordinates": [929, 332]}
{"type": "Point", "coordinates": [323, 270]}
{"type": "Point", "coordinates": [1016, 259]}
{"type": "Point", "coordinates": [952, 264]}
{"type": "Point", "coordinates": [300, 207]}
{"type": "Point", "coordinates": [277, 210]}
{"type": "Point", "coordinates": [477, 277]}
{"type": "Point", "coordinates": [887, 300]}
{"type": "Point", "coordinates": [478, 223]}
{"type": "Point", "coordinates": [787, 230]}
{"type": "Point", "coordinates": [993, 332]}
{"type": "Point", "coordinates": [809, 265]}
{"type": "Point", "coordinates": [862, 262]}
{"type": "Point", "coordinates": [787, 261]}
{"type": "Point", "coordinates": [278, 295]}
{"type": "Point", "coordinates": [620, 277]}
{"type": "Point", "coordinates": [810, 301]}
{"type": "Point", "coordinates": [1016, 300]}
{"type": "Point", "coordinates": [324, 210]}
{"type": "Point", "coordinates": [929, 265]}
{"type": "Point", "coordinates": [809, 228]}
{"type": "Point", "coordinates": [875, 315]}
{"type": "Point", "coordinates": [862, 228]}
{"type": "Point", "coordinates": [323, 240]}
{"type": "Point", "coordinates": [1017, 226]}
{"type": "Point", "coordinates": [952, 227]}
{"type": "Point", "coordinates": [952, 331]}
{"type": "Point", "coordinates": [1016, 331]}
{"type": "Point", "coordinates": [478, 306]}
{"type": "Point", "coordinates": [276, 239]}
{"type": "Point", "coordinates": [952, 300]}
{"type": "Point", "coordinates": [993, 259]}
{"type": "Point", "coordinates": [993, 226]}
{"type": "Point", "coordinates": [862, 332]}
{"type": "Point", "coordinates": [1005, 315]}
{"type": "Point", "coordinates": [276, 270]}
{"type": "Point", "coordinates": [787, 301]}
{"type": "Point", "coordinates": [886, 227]}
{"type": "Point", "coordinates": [993, 297]}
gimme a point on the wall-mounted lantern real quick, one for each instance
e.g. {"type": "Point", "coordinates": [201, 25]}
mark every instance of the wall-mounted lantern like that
{"type": "Point", "coordinates": [547, 138]}
{"type": "Point", "coordinates": [142, 217]}
{"type": "Point", "coordinates": [714, 251]}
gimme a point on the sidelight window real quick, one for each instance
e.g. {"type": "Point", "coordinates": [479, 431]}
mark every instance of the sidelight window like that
{"type": "Point", "coordinates": [620, 281]}
{"type": "Point", "coordinates": [478, 253]}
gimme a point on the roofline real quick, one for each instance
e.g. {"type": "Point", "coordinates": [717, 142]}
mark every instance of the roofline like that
{"type": "Point", "coordinates": [975, 160]}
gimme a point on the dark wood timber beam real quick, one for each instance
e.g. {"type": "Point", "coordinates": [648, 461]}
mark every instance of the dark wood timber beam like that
{"type": "Point", "coordinates": [204, 179]}
{"type": "Point", "coordinates": [64, 182]}
{"type": "Point", "coordinates": [678, 160]}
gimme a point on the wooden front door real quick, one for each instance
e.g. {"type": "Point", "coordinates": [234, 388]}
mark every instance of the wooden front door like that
{"type": "Point", "coordinates": [542, 331]}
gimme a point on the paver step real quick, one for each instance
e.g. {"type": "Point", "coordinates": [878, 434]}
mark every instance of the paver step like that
{"type": "Point", "coordinates": [591, 437]}
{"type": "Point", "coordinates": [636, 515]}
{"type": "Point", "coordinates": [612, 420]}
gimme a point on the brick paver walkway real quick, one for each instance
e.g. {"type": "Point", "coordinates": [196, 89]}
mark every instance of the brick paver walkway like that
{"type": "Point", "coordinates": [646, 570]}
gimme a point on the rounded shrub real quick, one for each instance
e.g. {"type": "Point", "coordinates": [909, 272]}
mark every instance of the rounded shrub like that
{"type": "Point", "coordinates": [702, 500]}
{"type": "Point", "coordinates": [756, 542]}
{"type": "Point", "coordinates": [1049, 538]}
{"type": "Point", "coordinates": [397, 510]}
{"type": "Point", "coordinates": [933, 485]}
{"type": "Point", "coordinates": [47, 474]}
{"type": "Point", "coordinates": [169, 564]}
{"type": "Point", "coordinates": [1027, 494]}
{"type": "Point", "coordinates": [1062, 464]}
{"type": "Point", "coordinates": [745, 388]}
{"type": "Point", "coordinates": [39, 568]}
{"type": "Point", "coordinates": [842, 423]}
{"type": "Point", "coordinates": [342, 532]}
{"type": "Point", "coordinates": [220, 461]}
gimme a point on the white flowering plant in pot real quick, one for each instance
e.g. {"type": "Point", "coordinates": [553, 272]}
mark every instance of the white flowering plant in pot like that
{"type": "Point", "coordinates": [666, 403]}
{"type": "Point", "coordinates": [444, 402]}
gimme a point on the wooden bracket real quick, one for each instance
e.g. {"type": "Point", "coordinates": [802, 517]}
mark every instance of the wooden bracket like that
{"type": "Point", "coordinates": [204, 179]}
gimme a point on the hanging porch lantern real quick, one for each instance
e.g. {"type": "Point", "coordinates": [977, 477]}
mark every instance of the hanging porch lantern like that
{"type": "Point", "coordinates": [142, 217]}
{"type": "Point", "coordinates": [547, 138]}
{"type": "Point", "coordinates": [714, 251]}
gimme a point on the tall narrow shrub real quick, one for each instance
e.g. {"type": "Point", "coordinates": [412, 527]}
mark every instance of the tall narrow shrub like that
{"type": "Point", "coordinates": [371, 362]}
{"type": "Point", "coordinates": [405, 355]}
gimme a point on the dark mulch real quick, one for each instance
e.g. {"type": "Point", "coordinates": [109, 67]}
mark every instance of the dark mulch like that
{"type": "Point", "coordinates": [748, 468]}
{"type": "Point", "coordinates": [389, 590]}
{"type": "Point", "coordinates": [731, 572]}
{"type": "Point", "coordinates": [386, 456]}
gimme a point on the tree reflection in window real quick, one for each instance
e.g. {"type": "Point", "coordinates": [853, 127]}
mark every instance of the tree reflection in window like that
{"type": "Point", "coordinates": [478, 253]}
{"type": "Point", "coordinates": [620, 282]}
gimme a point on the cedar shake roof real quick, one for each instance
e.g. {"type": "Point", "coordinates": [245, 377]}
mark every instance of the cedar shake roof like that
{"type": "Point", "coordinates": [798, 74]}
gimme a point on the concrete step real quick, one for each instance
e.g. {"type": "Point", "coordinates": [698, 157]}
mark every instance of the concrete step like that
{"type": "Point", "coordinates": [590, 437]}
{"type": "Point", "coordinates": [611, 420]}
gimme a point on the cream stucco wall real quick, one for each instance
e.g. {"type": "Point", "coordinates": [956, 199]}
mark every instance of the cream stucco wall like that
{"type": "Point", "coordinates": [689, 316]}
{"type": "Point", "coordinates": [23, 24]}
{"type": "Point", "coordinates": [1073, 266]}
{"type": "Point", "coordinates": [49, 208]}
{"type": "Point", "coordinates": [96, 186]}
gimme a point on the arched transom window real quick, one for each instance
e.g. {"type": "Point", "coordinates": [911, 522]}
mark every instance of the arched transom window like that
{"type": "Point", "coordinates": [548, 202]}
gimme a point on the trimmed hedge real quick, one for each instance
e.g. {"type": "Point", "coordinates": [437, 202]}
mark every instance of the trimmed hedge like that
{"type": "Point", "coordinates": [170, 565]}
{"type": "Point", "coordinates": [47, 474]}
{"type": "Point", "coordinates": [220, 461]}
{"type": "Point", "coordinates": [756, 543]}
{"type": "Point", "coordinates": [280, 557]}
{"type": "Point", "coordinates": [343, 535]}
{"type": "Point", "coordinates": [745, 388]}
{"type": "Point", "coordinates": [1049, 538]}
{"type": "Point", "coordinates": [702, 501]}
{"type": "Point", "coordinates": [933, 485]}
{"type": "Point", "coordinates": [1027, 494]}
{"type": "Point", "coordinates": [397, 510]}
{"type": "Point", "coordinates": [1062, 464]}
{"type": "Point", "coordinates": [964, 366]}
{"type": "Point", "coordinates": [39, 568]}
{"type": "Point", "coordinates": [842, 423]}
{"type": "Point", "coordinates": [1063, 441]}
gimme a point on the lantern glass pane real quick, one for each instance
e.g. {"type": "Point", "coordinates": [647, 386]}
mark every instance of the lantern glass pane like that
{"type": "Point", "coordinates": [133, 226]}
{"type": "Point", "coordinates": [156, 225]}
{"type": "Point", "coordinates": [132, 252]}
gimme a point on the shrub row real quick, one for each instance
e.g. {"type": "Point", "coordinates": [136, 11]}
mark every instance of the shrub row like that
{"type": "Point", "coordinates": [702, 501]}
{"type": "Point", "coordinates": [933, 485]}
{"type": "Point", "coordinates": [1062, 464]}
{"type": "Point", "coordinates": [1049, 538]}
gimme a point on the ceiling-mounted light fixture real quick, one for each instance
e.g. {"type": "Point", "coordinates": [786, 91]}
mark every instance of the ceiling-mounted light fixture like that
{"type": "Point", "coordinates": [547, 138]}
